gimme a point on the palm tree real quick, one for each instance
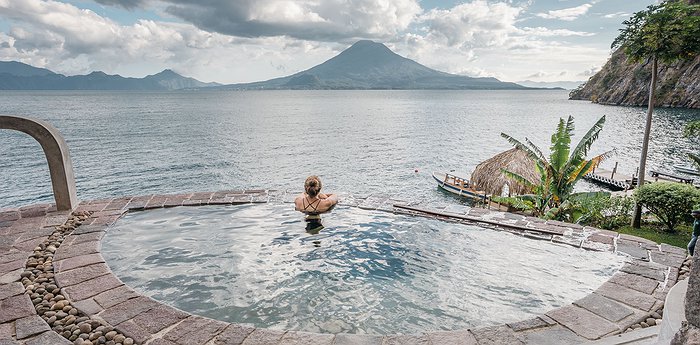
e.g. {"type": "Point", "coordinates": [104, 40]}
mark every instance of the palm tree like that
{"type": "Point", "coordinates": [562, 170]}
{"type": "Point", "coordinates": [666, 32]}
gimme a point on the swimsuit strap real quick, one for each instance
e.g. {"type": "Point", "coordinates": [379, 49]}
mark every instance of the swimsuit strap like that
{"type": "Point", "coordinates": [306, 207]}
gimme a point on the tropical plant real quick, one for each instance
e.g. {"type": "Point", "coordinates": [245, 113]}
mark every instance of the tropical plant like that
{"type": "Point", "coordinates": [666, 32]}
{"type": "Point", "coordinates": [692, 129]}
{"type": "Point", "coordinates": [559, 173]}
{"type": "Point", "coordinates": [670, 202]}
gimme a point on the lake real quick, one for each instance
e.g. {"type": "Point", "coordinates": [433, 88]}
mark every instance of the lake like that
{"type": "Point", "coordinates": [358, 142]}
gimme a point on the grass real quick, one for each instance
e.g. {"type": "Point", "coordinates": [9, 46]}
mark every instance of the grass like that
{"type": "Point", "coordinates": [653, 233]}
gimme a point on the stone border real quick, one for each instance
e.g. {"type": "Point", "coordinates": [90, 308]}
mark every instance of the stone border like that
{"type": "Point", "coordinates": [632, 295]}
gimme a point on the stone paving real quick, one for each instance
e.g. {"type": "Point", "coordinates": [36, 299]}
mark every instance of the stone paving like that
{"type": "Point", "coordinates": [632, 295]}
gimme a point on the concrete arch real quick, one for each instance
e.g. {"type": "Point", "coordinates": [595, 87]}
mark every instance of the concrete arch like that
{"type": "Point", "coordinates": [56, 151]}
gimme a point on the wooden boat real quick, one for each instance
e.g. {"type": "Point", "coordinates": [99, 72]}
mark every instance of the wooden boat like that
{"type": "Point", "coordinates": [686, 170]}
{"type": "Point", "coordinates": [458, 185]}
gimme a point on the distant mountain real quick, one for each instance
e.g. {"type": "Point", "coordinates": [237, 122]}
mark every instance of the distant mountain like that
{"type": "Point", "coordinates": [19, 76]}
{"type": "Point", "coordinates": [22, 70]}
{"type": "Point", "coordinates": [568, 85]}
{"type": "Point", "coordinates": [371, 65]}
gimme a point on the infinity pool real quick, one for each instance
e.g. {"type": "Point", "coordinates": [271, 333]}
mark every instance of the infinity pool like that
{"type": "Point", "coordinates": [365, 272]}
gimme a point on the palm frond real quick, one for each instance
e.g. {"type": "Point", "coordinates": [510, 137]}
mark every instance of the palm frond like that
{"type": "Point", "coordinates": [561, 141]}
{"type": "Point", "coordinates": [536, 150]}
{"type": "Point", "coordinates": [518, 178]}
{"type": "Point", "coordinates": [695, 159]}
{"type": "Point", "coordinates": [515, 142]}
{"type": "Point", "coordinates": [587, 140]}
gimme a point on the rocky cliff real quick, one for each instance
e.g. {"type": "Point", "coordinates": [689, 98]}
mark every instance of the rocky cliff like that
{"type": "Point", "coordinates": [620, 82]}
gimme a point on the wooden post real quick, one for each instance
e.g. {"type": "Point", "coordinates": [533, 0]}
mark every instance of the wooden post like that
{"type": "Point", "coordinates": [612, 175]}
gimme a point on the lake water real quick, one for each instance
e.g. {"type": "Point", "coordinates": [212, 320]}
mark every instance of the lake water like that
{"type": "Point", "coordinates": [358, 142]}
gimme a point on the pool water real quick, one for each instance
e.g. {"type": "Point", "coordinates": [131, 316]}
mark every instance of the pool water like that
{"type": "Point", "coordinates": [365, 272]}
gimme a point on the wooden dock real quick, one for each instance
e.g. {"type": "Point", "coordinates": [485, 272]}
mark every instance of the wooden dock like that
{"type": "Point", "coordinates": [621, 182]}
{"type": "Point", "coordinates": [612, 179]}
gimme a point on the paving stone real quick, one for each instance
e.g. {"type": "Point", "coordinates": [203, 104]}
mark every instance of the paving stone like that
{"type": "Point", "coordinates": [31, 211]}
{"type": "Point", "coordinates": [35, 233]}
{"type": "Point", "coordinates": [11, 289]}
{"type": "Point", "coordinates": [604, 307]}
{"type": "Point", "coordinates": [160, 318]}
{"type": "Point", "coordinates": [406, 340]}
{"type": "Point", "coordinates": [460, 337]}
{"type": "Point", "coordinates": [49, 338]}
{"type": "Point", "coordinates": [601, 238]}
{"type": "Point", "coordinates": [16, 307]}
{"type": "Point", "coordinates": [636, 239]}
{"type": "Point", "coordinates": [115, 296]}
{"type": "Point", "coordinates": [31, 325]}
{"type": "Point", "coordinates": [234, 334]}
{"type": "Point", "coordinates": [161, 342]}
{"type": "Point", "coordinates": [263, 337]}
{"type": "Point", "coordinates": [127, 310]}
{"type": "Point", "coordinates": [11, 277]}
{"type": "Point", "coordinates": [667, 259]}
{"type": "Point", "coordinates": [195, 330]}
{"type": "Point", "coordinates": [627, 296]}
{"type": "Point", "coordinates": [65, 252]}
{"type": "Point", "coordinates": [556, 335]}
{"type": "Point", "coordinates": [88, 306]}
{"type": "Point", "coordinates": [582, 322]}
{"type": "Point", "coordinates": [92, 287]}
{"type": "Point", "coordinates": [29, 244]}
{"type": "Point", "coordinates": [138, 202]}
{"type": "Point", "coordinates": [666, 248]}
{"type": "Point", "coordinates": [635, 282]}
{"type": "Point", "coordinates": [358, 339]}
{"type": "Point", "coordinates": [118, 204]}
{"type": "Point", "coordinates": [14, 255]}
{"type": "Point", "coordinates": [495, 335]}
{"type": "Point", "coordinates": [77, 261]}
{"type": "Point", "coordinates": [632, 248]}
{"type": "Point", "coordinates": [81, 274]}
{"type": "Point", "coordinates": [82, 238]}
{"type": "Point", "coordinates": [7, 330]}
{"type": "Point", "coordinates": [9, 342]}
{"type": "Point", "coordinates": [9, 215]}
{"type": "Point", "coordinates": [86, 229]}
{"type": "Point", "coordinates": [132, 330]}
{"type": "Point", "coordinates": [305, 338]}
{"type": "Point", "coordinates": [653, 271]}
{"type": "Point", "coordinates": [536, 322]}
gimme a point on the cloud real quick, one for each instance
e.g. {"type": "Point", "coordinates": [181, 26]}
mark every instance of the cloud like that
{"type": "Point", "coordinates": [589, 72]}
{"type": "Point", "coordinates": [567, 14]}
{"type": "Point", "coordinates": [474, 24]}
{"type": "Point", "coordinates": [545, 32]}
{"type": "Point", "coordinates": [320, 20]}
{"type": "Point", "coordinates": [128, 4]}
{"type": "Point", "coordinates": [70, 40]}
{"type": "Point", "coordinates": [617, 15]}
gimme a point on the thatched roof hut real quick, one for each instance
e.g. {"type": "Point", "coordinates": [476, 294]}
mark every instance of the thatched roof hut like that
{"type": "Point", "coordinates": [487, 176]}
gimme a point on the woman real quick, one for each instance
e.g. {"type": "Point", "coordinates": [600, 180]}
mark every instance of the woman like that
{"type": "Point", "coordinates": [312, 201]}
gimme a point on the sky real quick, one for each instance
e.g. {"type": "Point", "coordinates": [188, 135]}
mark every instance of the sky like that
{"type": "Point", "coordinates": [231, 41]}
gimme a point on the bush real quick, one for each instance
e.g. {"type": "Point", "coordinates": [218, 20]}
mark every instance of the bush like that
{"type": "Point", "coordinates": [603, 211]}
{"type": "Point", "coordinates": [670, 202]}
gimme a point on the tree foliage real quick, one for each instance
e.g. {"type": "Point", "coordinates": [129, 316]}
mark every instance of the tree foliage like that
{"type": "Point", "coordinates": [668, 32]}
{"type": "Point", "coordinates": [670, 202]}
{"type": "Point", "coordinates": [561, 170]}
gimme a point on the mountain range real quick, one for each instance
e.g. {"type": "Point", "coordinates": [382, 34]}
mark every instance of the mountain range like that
{"type": "Point", "coordinates": [364, 65]}
{"type": "Point", "coordinates": [18, 76]}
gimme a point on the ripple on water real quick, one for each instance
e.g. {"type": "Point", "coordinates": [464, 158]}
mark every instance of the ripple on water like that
{"type": "Point", "coordinates": [365, 272]}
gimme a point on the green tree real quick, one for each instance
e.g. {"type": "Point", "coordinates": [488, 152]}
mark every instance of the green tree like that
{"type": "Point", "coordinates": [670, 202]}
{"type": "Point", "coordinates": [663, 33]}
{"type": "Point", "coordinates": [559, 173]}
{"type": "Point", "coordinates": [692, 129]}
